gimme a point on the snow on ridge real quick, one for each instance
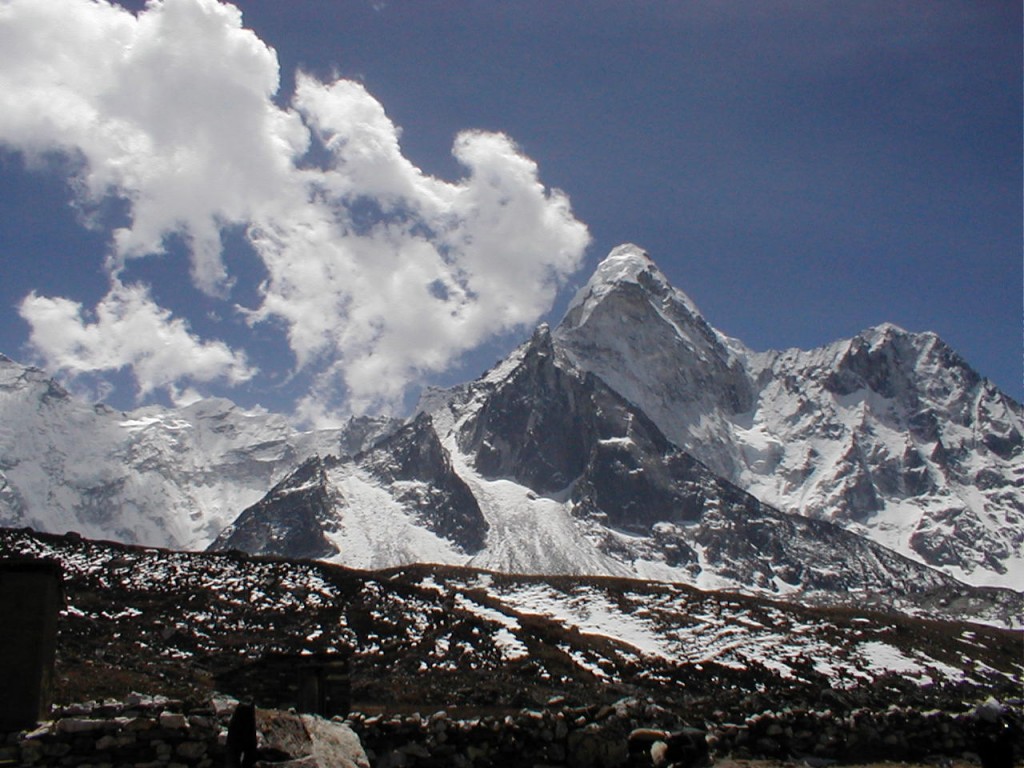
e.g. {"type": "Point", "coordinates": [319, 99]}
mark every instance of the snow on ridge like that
{"type": "Point", "coordinates": [854, 431]}
{"type": "Point", "coordinates": [624, 264]}
{"type": "Point", "coordinates": [878, 333]}
{"type": "Point", "coordinates": [507, 636]}
{"type": "Point", "coordinates": [629, 263]}
{"type": "Point", "coordinates": [591, 612]}
{"type": "Point", "coordinates": [143, 422]}
{"type": "Point", "coordinates": [596, 624]}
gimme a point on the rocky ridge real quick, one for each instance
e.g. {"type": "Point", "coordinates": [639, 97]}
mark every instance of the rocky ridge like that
{"type": "Point", "coordinates": [634, 431]}
{"type": "Point", "coordinates": [568, 477]}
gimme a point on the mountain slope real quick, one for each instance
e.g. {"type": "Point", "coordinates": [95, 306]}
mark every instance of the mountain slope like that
{"type": "Point", "coordinates": [352, 509]}
{"type": "Point", "coordinates": [890, 434]}
{"type": "Point", "coordinates": [442, 637]}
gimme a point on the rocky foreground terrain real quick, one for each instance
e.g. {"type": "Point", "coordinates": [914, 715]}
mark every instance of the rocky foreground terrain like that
{"type": "Point", "coordinates": [452, 666]}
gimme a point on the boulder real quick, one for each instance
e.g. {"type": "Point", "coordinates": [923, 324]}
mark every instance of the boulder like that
{"type": "Point", "coordinates": [309, 741]}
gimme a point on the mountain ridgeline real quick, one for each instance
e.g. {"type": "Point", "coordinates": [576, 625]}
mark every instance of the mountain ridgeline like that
{"type": "Point", "coordinates": [633, 439]}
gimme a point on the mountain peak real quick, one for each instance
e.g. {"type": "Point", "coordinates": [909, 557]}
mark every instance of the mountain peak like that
{"type": "Point", "coordinates": [883, 332]}
{"type": "Point", "coordinates": [629, 256]}
{"type": "Point", "coordinates": [626, 266]}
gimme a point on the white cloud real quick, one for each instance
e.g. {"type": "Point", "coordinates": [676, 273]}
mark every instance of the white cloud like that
{"type": "Point", "coordinates": [364, 144]}
{"type": "Point", "coordinates": [381, 274]}
{"type": "Point", "coordinates": [171, 110]}
{"type": "Point", "coordinates": [128, 329]}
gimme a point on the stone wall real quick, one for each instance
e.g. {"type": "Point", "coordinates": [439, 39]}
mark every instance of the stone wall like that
{"type": "Point", "coordinates": [637, 733]}
{"type": "Point", "coordinates": [140, 731]}
{"type": "Point", "coordinates": [555, 735]}
{"type": "Point", "coordinates": [861, 735]}
{"type": "Point", "coordinates": [156, 732]}
{"type": "Point", "coordinates": [145, 732]}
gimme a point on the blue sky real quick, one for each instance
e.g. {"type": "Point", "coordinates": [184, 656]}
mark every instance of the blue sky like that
{"type": "Point", "coordinates": [320, 206]}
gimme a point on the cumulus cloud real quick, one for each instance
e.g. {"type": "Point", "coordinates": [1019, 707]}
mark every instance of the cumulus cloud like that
{"type": "Point", "coordinates": [128, 329]}
{"type": "Point", "coordinates": [171, 110]}
{"type": "Point", "coordinates": [379, 273]}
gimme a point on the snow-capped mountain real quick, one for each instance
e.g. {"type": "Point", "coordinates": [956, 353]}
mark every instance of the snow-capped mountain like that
{"type": "Point", "coordinates": [166, 477]}
{"type": "Point", "coordinates": [556, 473]}
{"type": "Point", "coordinates": [634, 440]}
{"type": "Point", "coordinates": [891, 434]}
{"type": "Point", "coordinates": [396, 503]}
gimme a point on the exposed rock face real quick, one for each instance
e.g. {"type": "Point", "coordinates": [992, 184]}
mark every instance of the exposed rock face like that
{"type": "Point", "coordinates": [552, 429]}
{"type": "Point", "coordinates": [290, 520]}
{"type": "Point", "coordinates": [408, 466]}
{"type": "Point", "coordinates": [541, 424]}
{"type": "Point", "coordinates": [414, 465]}
{"type": "Point", "coordinates": [649, 342]}
{"type": "Point", "coordinates": [557, 430]}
